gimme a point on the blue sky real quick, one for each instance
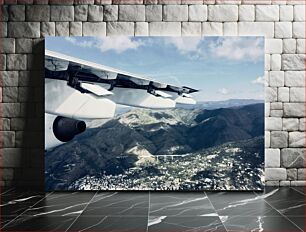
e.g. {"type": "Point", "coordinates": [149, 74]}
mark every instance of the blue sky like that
{"type": "Point", "coordinates": [221, 67]}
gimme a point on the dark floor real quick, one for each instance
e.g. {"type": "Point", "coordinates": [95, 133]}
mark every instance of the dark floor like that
{"type": "Point", "coordinates": [274, 210]}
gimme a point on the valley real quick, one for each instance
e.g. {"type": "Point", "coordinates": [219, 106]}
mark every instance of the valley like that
{"type": "Point", "coordinates": [178, 149]}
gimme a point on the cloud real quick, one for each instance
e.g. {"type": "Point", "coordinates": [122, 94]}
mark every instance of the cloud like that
{"type": "Point", "coordinates": [117, 44]}
{"type": "Point", "coordinates": [238, 48]}
{"type": "Point", "coordinates": [185, 44]}
{"type": "Point", "coordinates": [259, 81]}
{"type": "Point", "coordinates": [223, 91]}
{"type": "Point", "coordinates": [70, 39]}
{"type": "Point", "coordinates": [87, 43]}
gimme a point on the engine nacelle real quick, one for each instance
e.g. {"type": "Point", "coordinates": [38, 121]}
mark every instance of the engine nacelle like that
{"type": "Point", "coordinates": [65, 129]}
{"type": "Point", "coordinates": [59, 129]}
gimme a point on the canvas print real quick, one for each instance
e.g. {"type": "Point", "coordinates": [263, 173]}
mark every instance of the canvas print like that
{"type": "Point", "coordinates": [154, 113]}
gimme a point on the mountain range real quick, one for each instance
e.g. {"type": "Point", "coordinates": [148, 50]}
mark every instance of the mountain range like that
{"type": "Point", "coordinates": [118, 144]}
{"type": "Point", "coordinates": [210, 105]}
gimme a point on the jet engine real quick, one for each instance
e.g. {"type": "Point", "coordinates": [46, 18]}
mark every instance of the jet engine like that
{"type": "Point", "coordinates": [61, 129]}
{"type": "Point", "coordinates": [65, 129]}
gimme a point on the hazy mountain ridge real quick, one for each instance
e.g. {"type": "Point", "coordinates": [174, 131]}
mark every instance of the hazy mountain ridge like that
{"type": "Point", "coordinates": [210, 105]}
{"type": "Point", "coordinates": [111, 148]}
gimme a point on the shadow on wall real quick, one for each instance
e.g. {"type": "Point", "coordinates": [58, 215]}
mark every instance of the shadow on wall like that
{"type": "Point", "coordinates": [31, 139]}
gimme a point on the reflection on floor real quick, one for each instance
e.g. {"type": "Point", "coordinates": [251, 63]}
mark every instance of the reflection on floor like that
{"type": "Point", "coordinates": [275, 209]}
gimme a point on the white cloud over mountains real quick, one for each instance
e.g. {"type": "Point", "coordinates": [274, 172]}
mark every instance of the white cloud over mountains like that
{"type": "Point", "coordinates": [185, 44]}
{"type": "Point", "coordinates": [238, 48]}
{"type": "Point", "coordinates": [259, 81]}
{"type": "Point", "coordinates": [229, 48]}
{"type": "Point", "coordinates": [223, 91]}
{"type": "Point", "coordinates": [73, 40]}
{"type": "Point", "coordinates": [117, 44]}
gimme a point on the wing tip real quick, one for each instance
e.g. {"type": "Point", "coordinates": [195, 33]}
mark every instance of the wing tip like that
{"type": "Point", "coordinates": [190, 90]}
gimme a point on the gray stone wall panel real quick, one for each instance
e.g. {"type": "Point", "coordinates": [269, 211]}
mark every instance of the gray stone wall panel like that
{"type": "Point", "coordinates": [39, 13]}
{"type": "Point", "coordinates": [62, 13]}
{"type": "Point", "coordinates": [24, 29]}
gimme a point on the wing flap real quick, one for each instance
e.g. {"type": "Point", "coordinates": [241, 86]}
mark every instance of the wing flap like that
{"type": "Point", "coordinates": [96, 89]}
{"type": "Point", "coordinates": [140, 98]}
{"type": "Point", "coordinates": [162, 94]}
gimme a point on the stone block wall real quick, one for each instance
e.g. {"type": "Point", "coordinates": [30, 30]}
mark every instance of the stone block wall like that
{"type": "Point", "coordinates": [24, 24]}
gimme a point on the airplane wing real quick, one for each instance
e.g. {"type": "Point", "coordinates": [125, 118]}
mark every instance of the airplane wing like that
{"type": "Point", "coordinates": [75, 87]}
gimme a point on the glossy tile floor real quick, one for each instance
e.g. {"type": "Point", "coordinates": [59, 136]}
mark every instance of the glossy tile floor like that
{"type": "Point", "coordinates": [274, 210]}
